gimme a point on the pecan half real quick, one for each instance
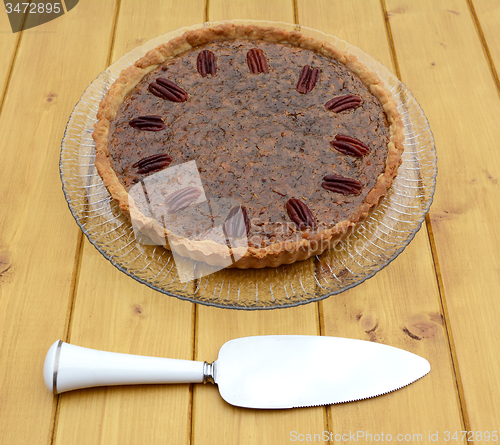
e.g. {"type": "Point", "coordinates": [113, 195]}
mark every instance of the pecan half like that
{"type": "Point", "coordinates": [307, 79]}
{"type": "Point", "coordinates": [148, 123]}
{"type": "Point", "coordinates": [182, 198]}
{"type": "Point", "coordinates": [300, 214]}
{"type": "Point", "coordinates": [237, 226]}
{"type": "Point", "coordinates": [257, 62]}
{"type": "Point", "coordinates": [206, 63]}
{"type": "Point", "coordinates": [341, 103]}
{"type": "Point", "coordinates": [152, 163]}
{"type": "Point", "coordinates": [166, 89]}
{"type": "Point", "coordinates": [350, 146]}
{"type": "Point", "coordinates": [339, 184]}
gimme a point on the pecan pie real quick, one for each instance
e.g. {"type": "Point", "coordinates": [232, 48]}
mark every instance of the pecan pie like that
{"type": "Point", "coordinates": [299, 137]}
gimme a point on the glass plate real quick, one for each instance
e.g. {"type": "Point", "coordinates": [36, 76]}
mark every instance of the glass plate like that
{"type": "Point", "coordinates": [379, 241]}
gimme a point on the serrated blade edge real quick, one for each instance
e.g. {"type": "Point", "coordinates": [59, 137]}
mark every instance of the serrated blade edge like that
{"type": "Point", "coordinates": [365, 398]}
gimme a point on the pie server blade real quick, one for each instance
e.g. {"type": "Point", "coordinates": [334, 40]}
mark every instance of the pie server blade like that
{"type": "Point", "coordinates": [266, 372]}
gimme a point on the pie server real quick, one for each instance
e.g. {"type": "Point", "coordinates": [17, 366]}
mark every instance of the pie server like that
{"type": "Point", "coordinates": [277, 371]}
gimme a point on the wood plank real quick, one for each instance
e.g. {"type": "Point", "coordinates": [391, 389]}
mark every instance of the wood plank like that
{"type": "Point", "coordinates": [400, 305]}
{"type": "Point", "coordinates": [488, 15]}
{"type": "Point", "coordinates": [8, 44]}
{"type": "Point", "coordinates": [281, 10]}
{"type": "Point", "coordinates": [38, 236]}
{"type": "Point", "coordinates": [151, 20]}
{"type": "Point", "coordinates": [442, 61]}
{"type": "Point", "coordinates": [114, 312]}
{"type": "Point", "coordinates": [223, 423]}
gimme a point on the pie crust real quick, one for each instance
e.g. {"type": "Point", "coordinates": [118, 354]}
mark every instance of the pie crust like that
{"type": "Point", "coordinates": [309, 242]}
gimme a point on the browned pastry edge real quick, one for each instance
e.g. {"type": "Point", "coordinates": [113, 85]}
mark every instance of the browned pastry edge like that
{"type": "Point", "coordinates": [211, 252]}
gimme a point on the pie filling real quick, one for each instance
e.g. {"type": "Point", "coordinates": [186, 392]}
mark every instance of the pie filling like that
{"type": "Point", "coordinates": [292, 136]}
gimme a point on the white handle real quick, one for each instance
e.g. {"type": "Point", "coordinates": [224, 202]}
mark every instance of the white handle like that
{"type": "Point", "coordinates": [69, 367]}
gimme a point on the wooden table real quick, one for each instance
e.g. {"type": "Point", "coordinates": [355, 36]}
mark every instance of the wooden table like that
{"type": "Point", "coordinates": [438, 299]}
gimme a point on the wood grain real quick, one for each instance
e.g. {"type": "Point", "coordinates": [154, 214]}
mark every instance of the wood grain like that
{"type": "Point", "coordinates": [222, 422]}
{"type": "Point", "coordinates": [8, 44]}
{"type": "Point", "coordinates": [445, 66]}
{"type": "Point", "coordinates": [151, 19]}
{"type": "Point", "coordinates": [114, 312]}
{"type": "Point", "coordinates": [400, 305]}
{"type": "Point", "coordinates": [281, 10]}
{"type": "Point", "coordinates": [488, 16]}
{"type": "Point", "coordinates": [38, 236]}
